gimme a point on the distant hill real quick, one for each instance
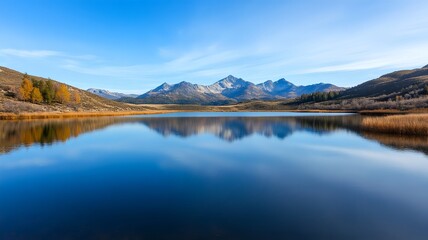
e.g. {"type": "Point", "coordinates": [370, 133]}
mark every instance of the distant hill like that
{"type": "Point", "coordinates": [10, 80]}
{"type": "Point", "coordinates": [400, 90]}
{"type": "Point", "coordinates": [393, 84]}
{"type": "Point", "coordinates": [110, 95]}
{"type": "Point", "coordinates": [227, 90]}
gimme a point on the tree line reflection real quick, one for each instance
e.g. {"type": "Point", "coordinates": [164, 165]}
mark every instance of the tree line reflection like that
{"type": "Point", "coordinates": [14, 134]}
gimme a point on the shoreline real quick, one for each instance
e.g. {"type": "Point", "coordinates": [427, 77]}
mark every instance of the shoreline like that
{"type": "Point", "coordinates": [60, 115]}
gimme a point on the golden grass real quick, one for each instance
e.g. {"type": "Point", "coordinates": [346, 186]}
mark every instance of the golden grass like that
{"type": "Point", "coordinates": [411, 124]}
{"type": "Point", "coordinates": [50, 115]}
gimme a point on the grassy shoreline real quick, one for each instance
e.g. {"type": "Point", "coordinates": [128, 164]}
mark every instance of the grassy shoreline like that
{"type": "Point", "coordinates": [59, 115]}
{"type": "Point", "coordinates": [162, 109]}
{"type": "Point", "coordinates": [410, 124]}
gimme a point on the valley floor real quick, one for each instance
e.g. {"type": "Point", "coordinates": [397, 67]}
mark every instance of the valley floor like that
{"type": "Point", "coordinates": [409, 122]}
{"type": "Point", "coordinates": [252, 106]}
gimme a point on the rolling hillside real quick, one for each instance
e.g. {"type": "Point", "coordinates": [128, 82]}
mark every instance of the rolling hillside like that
{"type": "Point", "coordinates": [10, 80]}
{"type": "Point", "coordinates": [400, 90]}
{"type": "Point", "coordinates": [394, 84]}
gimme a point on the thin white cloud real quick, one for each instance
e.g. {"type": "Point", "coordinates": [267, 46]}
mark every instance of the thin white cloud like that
{"type": "Point", "coordinates": [353, 66]}
{"type": "Point", "coordinates": [29, 53]}
{"type": "Point", "coordinates": [37, 54]}
{"type": "Point", "coordinates": [188, 64]}
{"type": "Point", "coordinates": [405, 57]}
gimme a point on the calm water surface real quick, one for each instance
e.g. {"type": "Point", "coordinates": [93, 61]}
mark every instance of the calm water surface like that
{"type": "Point", "coordinates": [210, 176]}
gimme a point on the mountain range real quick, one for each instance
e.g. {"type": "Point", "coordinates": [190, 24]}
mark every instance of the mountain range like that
{"type": "Point", "coordinates": [110, 95]}
{"type": "Point", "coordinates": [405, 89]}
{"type": "Point", "coordinates": [227, 90]}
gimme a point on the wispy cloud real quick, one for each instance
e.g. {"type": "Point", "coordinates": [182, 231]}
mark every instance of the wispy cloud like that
{"type": "Point", "coordinates": [413, 56]}
{"type": "Point", "coordinates": [205, 61]}
{"type": "Point", "coordinates": [33, 54]}
{"type": "Point", "coordinates": [29, 53]}
{"type": "Point", "coordinates": [353, 66]}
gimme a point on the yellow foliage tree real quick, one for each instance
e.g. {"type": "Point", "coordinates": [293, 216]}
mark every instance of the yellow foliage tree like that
{"type": "Point", "coordinates": [26, 89]}
{"type": "Point", "coordinates": [76, 97]}
{"type": "Point", "coordinates": [36, 96]}
{"type": "Point", "coordinates": [62, 94]}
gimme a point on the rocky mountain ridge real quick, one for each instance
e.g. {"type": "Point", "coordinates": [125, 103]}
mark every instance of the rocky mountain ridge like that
{"type": "Point", "coordinates": [227, 90]}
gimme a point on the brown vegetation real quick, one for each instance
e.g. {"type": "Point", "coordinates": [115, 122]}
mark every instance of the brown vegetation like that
{"type": "Point", "coordinates": [50, 115]}
{"type": "Point", "coordinates": [412, 124]}
{"type": "Point", "coordinates": [76, 97]}
{"type": "Point", "coordinates": [363, 104]}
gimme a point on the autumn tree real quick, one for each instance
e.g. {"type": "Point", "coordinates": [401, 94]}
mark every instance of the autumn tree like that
{"type": "Point", "coordinates": [76, 97]}
{"type": "Point", "coordinates": [62, 94]}
{"type": "Point", "coordinates": [48, 91]}
{"type": "Point", "coordinates": [26, 88]}
{"type": "Point", "coordinates": [36, 96]}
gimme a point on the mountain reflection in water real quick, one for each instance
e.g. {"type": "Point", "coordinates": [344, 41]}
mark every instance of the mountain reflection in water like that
{"type": "Point", "coordinates": [235, 128]}
{"type": "Point", "coordinates": [14, 134]}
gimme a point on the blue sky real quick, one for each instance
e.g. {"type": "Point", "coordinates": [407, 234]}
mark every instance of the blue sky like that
{"type": "Point", "coordinates": [132, 46]}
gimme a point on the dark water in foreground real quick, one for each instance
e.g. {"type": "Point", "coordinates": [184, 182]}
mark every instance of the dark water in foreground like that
{"type": "Point", "coordinates": [211, 176]}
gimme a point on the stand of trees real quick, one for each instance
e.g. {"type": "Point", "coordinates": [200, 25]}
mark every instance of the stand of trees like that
{"type": "Point", "coordinates": [318, 97]}
{"type": "Point", "coordinates": [40, 91]}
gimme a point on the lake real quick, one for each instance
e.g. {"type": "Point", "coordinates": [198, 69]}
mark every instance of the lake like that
{"type": "Point", "coordinates": [211, 176]}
